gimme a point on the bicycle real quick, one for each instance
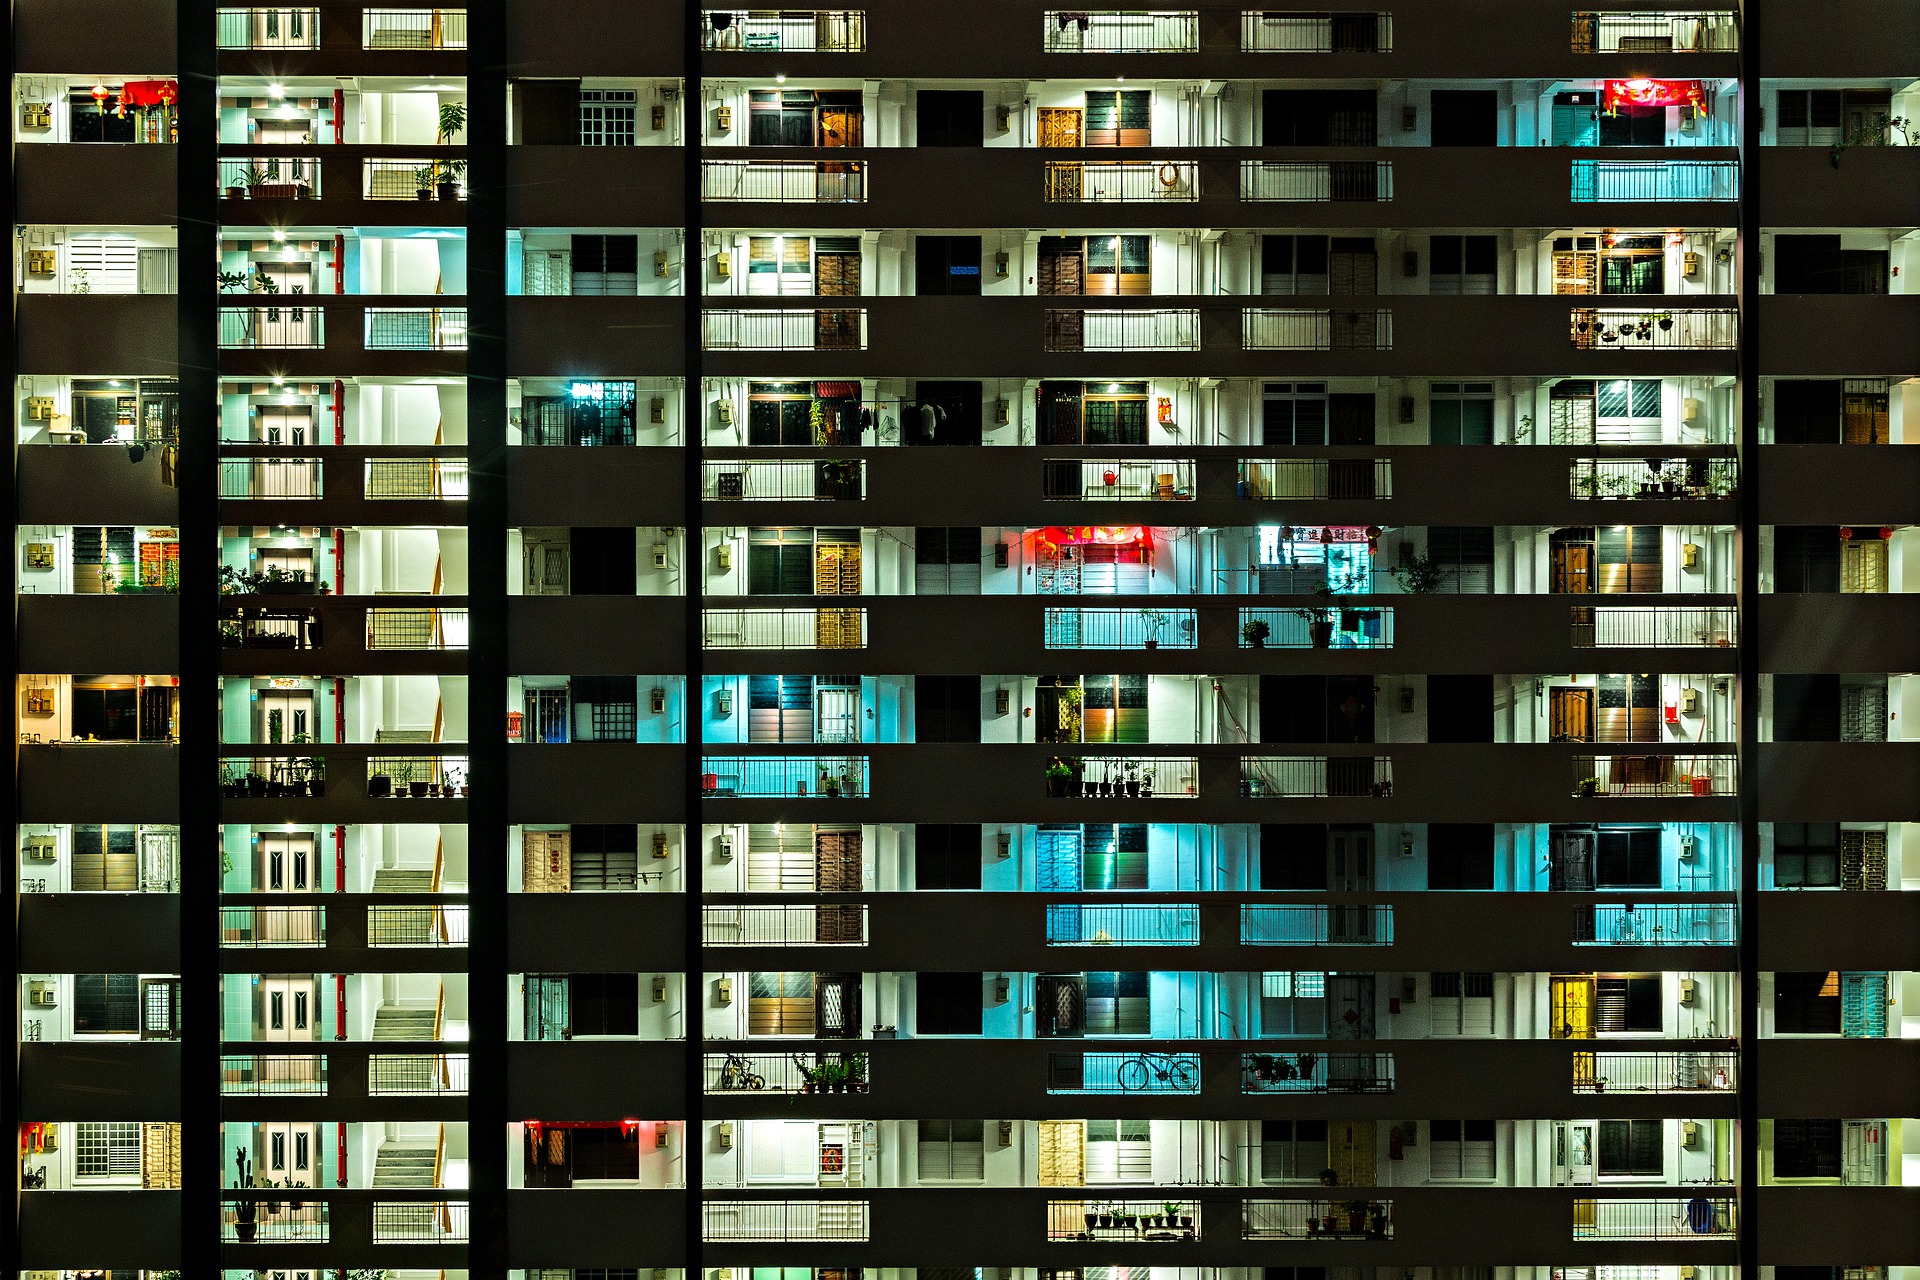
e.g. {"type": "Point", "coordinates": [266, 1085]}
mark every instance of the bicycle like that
{"type": "Point", "coordinates": [734, 1074]}
{"type": "Point", "coordinates": [1171, 1070]}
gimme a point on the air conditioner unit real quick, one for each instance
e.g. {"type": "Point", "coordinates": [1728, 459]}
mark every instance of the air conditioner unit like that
{"type": "Point", "coordinates": [39, 848]}
{"type": "Point", "coordinates": [723, 850]}
{"type": "Point", "coordinates": [659, 555]}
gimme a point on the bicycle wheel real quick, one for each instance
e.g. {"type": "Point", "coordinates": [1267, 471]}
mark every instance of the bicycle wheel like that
{"type": "Point", "coordinates": [1181, 1075]}
{"type": "Point", "coordinates": [1133, 1074]}
{"type": "Point", "coordinates": [755, 1082]}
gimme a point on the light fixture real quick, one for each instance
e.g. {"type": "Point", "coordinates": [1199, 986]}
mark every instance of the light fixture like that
{"type": "Point", "coordinates": [280, 237]}
{"type": "Point", "coordinates": [276, 91]}
{"type": "Point", "coordinates": [780, 79]}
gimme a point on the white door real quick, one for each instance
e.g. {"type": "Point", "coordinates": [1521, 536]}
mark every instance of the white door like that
{"type": "Point", "coordinates": [158, 270]}
{"type": "Point", "coordinates": [1863, 1153]}
{"type": "Point", "coordinates": [783, 1151]}
{"type": "Point", "coordinates": [288, 1007]}
{"type": "Point", "coordinates": [289, 1153]}
{"type": "Point", "coordinates": [286, 862]}
{"type": "Point", "coordinates": [285, 714]}
{"type": "Point", "coordinates": [1574, 1142]}
{"type": "Point", "coordinates": [546, 569]}
{"type": "Point", "coordinates": [837, 718]}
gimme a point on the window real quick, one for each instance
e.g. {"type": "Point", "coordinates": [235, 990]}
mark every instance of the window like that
{"type": "Point", "coordinates": [1293, 855]}
{"type": "Point", "coordinates": [605, 857]}
{"type": "Point", "coordinates": [1460, 708]}
{"type": "Point", "coordinates": [1114, 855]}
{"type": "Point", "coordinates": [607, 117]}
{"type": "Point", "coordinates": [803, 118]}
{"type": "Point", "coordinates": [1629, 558]}
{"type": "Point", "coordinates": [1818, 264]}
{"type": "Point", "coordinates": [106, 1150]}
{"type": "Point", "coordinates": [1319, 118]}
{"type": "Point", "coordinates": [1806, 1149]}
{"type": "Point", "coordinates": [778, 265]}
{"type": "Point", "coordinates": [1806, 1003]}
{"type": "Point", "coordinates": [946, 708]}
{"type": "Point", "coordinates": [1293, 413]}
{"type": "Point", "coordinates": [606, 1004]}
{"type": "Point", "coordinates": [780, 562]}
{"type": "Point", "coordinates": [1291, 265]}
{"type": "Point", "coordinates": [1119, 118]}
{"type": "Point", "coordinates": [1826, 117]}
{"type": "Point", "coordinates": [1460, 1004]}
{"type": "Point", "coordinates": [1628, 1004]}
{"type": "Point", "coordinates": [1118, 1004]}
{"type": "Point", "coordinates": [1628, 858]}
{"type": "Point", "coordinates": [946, 855]}
{"type": "Point", "coordinates": [1465, 118]}
{"type": "Point", "coordinates": [1114, 709]}
{"type": "Point", "coordinates": [1463, 266]}
{"type": "Point", "coordinates": [780, 1004]}
{"type": "Point", "coordinates": [605, 708]}
{"type": "Point", "coordinates": [1806, 708]}
{"type": "Point", "coordinates": [1632, 1149]}
{"type": "Point", "coordinates": [106, 1004]}
{"type": "Point", "coordinates": [105, 860]}
{"type": "Point", "coordinates": [610, 1153]}
{"type": "Point", "coordinates": [1460, 412]}
{"type": "Point", "coordinates": [1292, 1150]}
{"type": "Point", "coordinates": [949, 118]}
{"type": "Point", "coordinates": [1112, 413]}
{"type": "Point", "coordinates": [1465, 556]}
{"type": "Point", "coordinates": [946, 561]}
{"type": "Point", "coordinates": [1119, 1151]}
{"type": "Point", "coordinates": [1293, 1004]}
{"type": "Point", "coordinates": [948, 1004]}
{"type": "Point", "coordinates": [1460, 1149]}
{"type": "Point", "coordinates": [952, 1151]}
{"type": "Point", "coordinates": [606, 266]}
{"type": "Point", "coordinates": [1633, 264]}
{"type": "Point", "coordinates": [780, 709]}
{"type": "Point", "coordinates": [1120, 265]}
{"type": "Point", "coordinates": [603, 561]}
{"type": "Point", "coordinates": [946, 266]}
{"type": "Point", "coordinates": [1806, 558]}
{"type": "Point", "coordinates": [1628, 411]}
{"type": "Point", "coordinates": [1460, 855]}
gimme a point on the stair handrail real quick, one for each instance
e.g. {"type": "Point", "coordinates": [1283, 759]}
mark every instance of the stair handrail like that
{"type": "Point", "coordinates": [439, 1010]}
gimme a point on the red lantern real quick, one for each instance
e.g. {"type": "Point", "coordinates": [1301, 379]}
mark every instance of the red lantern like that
{"type": "Point", "coordinates": [1846, 534]}
{"type": "Point", "coordinates": [1886, 531]}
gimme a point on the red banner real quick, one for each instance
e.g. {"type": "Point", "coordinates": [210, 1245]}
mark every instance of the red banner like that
{"type": "Point", "coordinates": [1656, 93]}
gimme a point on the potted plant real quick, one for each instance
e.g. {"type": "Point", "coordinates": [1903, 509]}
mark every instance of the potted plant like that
{"type": "Point", "coordinates": [1172, 1209]}
{"type": "Point", "coordinates": [258, 787]}
{"type": "Point", "coordinates": [418, 783]}
{"type": "Point", "coordinates": [452, 123]}
{"type": "Point", "coordinates": [379, 785]}
{"type": "Point", "coordinates": [423, 184]}
{"type": "Point", "coordinates": [1059, 775]}
{"type": "Point", "coordinates": [809, 1078]}
{"type": "Point", "coordinates": [246, 1224]}
{"type": "Point", "coordinates": [456, 782]}
{"type": "Point", "coordinates": [448, 185]}
{"type": "Point", "coordinates": [1132, 771]}
{"type": "Point", "coordinates": [1319, 618]}
{"type": "Point", "coordinates": [1587, 787]}
{"type": "Point", "coordinates": [1153, 620]}
{"type": "Point", "coordinates": [829, 785]}
{"type": "Point", "coordinates": [1663, 319]}
{"type": "Point", "coordinates": [1254, 633]}
{"type": "Point", "coordinates": [857, 1072]}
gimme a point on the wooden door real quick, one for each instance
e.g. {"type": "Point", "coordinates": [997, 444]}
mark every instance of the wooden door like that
{"type": "Point", "coordinates": [546, 861]}
{"type": "Point", "coordinates": [837, 869]}
{"type": "Point", "coordinates": [1059, 126]}
{"type": "Point", "coordinates": [1863, 566]}
{"type": "Point", "coordinates": [1062, 267]}
{"type": "Point", "coordinates": [1864, 417]}
{"type": "Point", "coordinates": [1352, 266]}
{"type": "Point", "coordinates": [1576, 273]}
{"type": "Point", "coordinates": [1350, 1152]}
{"type": "Point", "coordinates": [160, 1156]}
{"type": "Point", "coordinates": [1571, 998]}
{"type": "Point", "coordinates": [1572, 568]}
{"type": "Point", "coordinates": [1569, 714]}
{"type": "Point", "coordinates": [1062, 1153]}
{"type": "Point", "coordinates": [1350, 1006]}
{"type": "Point", "coordinates": [837, 274]}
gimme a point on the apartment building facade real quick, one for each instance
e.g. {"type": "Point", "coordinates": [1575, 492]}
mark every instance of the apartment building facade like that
{"type": "Point", "coordinates": [456, 834]}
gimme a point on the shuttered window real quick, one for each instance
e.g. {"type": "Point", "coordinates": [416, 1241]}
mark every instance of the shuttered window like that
{"type": "Point", "coordinates": [1629, 709]}
{"type": "Point", "coordinates": [1460, 1150]}
{"type": "Point", "coordinates": [604, 857]}
{"type": "Point", "coordinates": [952, 1151]}
{"type": "Point", "coordinates": [1460, 1004]}
{"type": "Point", "coordinates": [1629, 558]}
{"type": "Point", "coordinates": [1293, 413]}
{"type": "Point", "coordinates": [780, 1004]}
{"type": "Point", "coordinates": [106, 1150]}
{"type": "Point", "coordinates": [1119, 1151]}
{"type": "Point", "coordinates": [106, 1004]}
{"type": "Point", "coordinates": [1460, 413]}
{"type": "Point", "coordinates": [1119, 118]}
{"type": "Point", "coordinates": [1293, 1004]}
{"type": "Point", "coordinates": [105, 860]}
{"type": "Point", "coordinates": [1627, 1004]}
{"type": "Point", "coordinates": [1465, 556]}
{"type": "Point", "coordinates": [1806, 558]}
{"type": "Point", "coordinates": [780, 562]}
{"type": "Point", "coordinates": [1463, 266]}
{"type": "Point", "coordinates": [780, 858]}
{"type": "Point", "coordinates": [1114, 855]}
{"type": "Point", "coordinates": [1806, 855]}
{"type": "Point", "coordinates": [106, 264]}
{"type": "Point", "coordinates": [780, 709]}
{"type": "Point", "coordinates": [1117, 1004]}
{"type": "Point", "coordinates": [605, 266]}
{"type": "Point", "coordinates": [1292, 1150]}
{"type": "Point", "coordinates": [946, 561]}
{"type": "Point", "coordinates": [1632, 1148]}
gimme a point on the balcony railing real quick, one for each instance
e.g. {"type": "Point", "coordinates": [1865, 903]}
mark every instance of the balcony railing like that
{"type": "Point", "coordinates": [416, 329]}
{"type": "Point", "coordinates": [416, 630]}
{"type": "Point", "coordinates": [1090, 329]}
{"type": "Point", "coordinates": [423, 925]}
{"type": "Point", "coordinates": [1684, 1072]}
{"type": "Point", "coordinates": [1653, 479]}
{"type": "Point", "coordinates": [1661, 924]}
{"type": "Point", "coordinates": [270, 177]}
{"type": "Point", "coordinates": [784, 181]}
{"type": "Point", "coordinates": [1316, 777]}
{"type": "Point", "coordinates": [1149, 924]}
{"type": "Point", "coordinates": [1654, 775]}
{"type": "Point", "coordinates": [272, 777]}
{"type": "Point", "coordinates": [1695, 329]}
{"type": "Point", "coordinates": [830, 924]}
{"type": "Point", "coordinates": [1141, 1072]}
{"type": "Point", "coordinates": [256, 1218]}
{"type": "Point", "coordinates": [779, 1072]}
{"type": "Point", "coordinates": [784, 629]}
{"type": "Point", "coordinates": [1317, 1219]}
{"type": "Point", "coordinates": [1306, 31]}
{"type": "Point", "coordinates": [1120, 629]}
{"type": "Point", "coordinates": [1288, 479]}
{"type": "Point", "coordinates": [784, 480]}
{"type": "Point", "coordinates": [402, 179]}
{"type": "Point", "coordinates": [780, 777]}
{"type": "Point", "coordinates": [273, 926]}
{"type": "Point", "coordinates": [1128, 777]}
{"type": "Point", "coordinates": [1303, 329]}
{"type": "Point", "coordinates": [434, 479]}
{"type": "Point", "coordinates": [270, 478]}
{"type": "Point", "coordinates": [1316, 182]}
{"type": "Point", "coordinates": [783, 31]}
{"type": "Point", "coordinates": [419, 1221]}
{"type": "Point", "coordinates": [1316, 925]}
{"type": "Point", "coordinates": [273, 328]}
{"type": "Point", "coordinates": [1304, 628]}
{"type": "Point", "coordinates": [1316, 1073]}
{"type": "Point", "coordinates": [1700, 1217]}
{"type": "Point", "coordinates": [1105, 1220]}
{"type": "Point", "coordinates": [413, 29]}
{"type": "Point", "coordinates": [394, 1075]}
{"type": "Point", "coordinates": [1119, 31]}
{"type": "Point", "coordinates": [415, 777]}
{"type": "Point", "coordinates": [1121, 182]}
{"type": "Point", "coordinates": [784, 1221]}
{"type": "Point", "coordinates": [268, 27]}
{"type": "Point", "coordinates": [1116, 479]}
{"type": "Point", "coordinates": [281, 1074]}
{"type": "Point", "coordinates": [1655, 627]}
{"type": "Point", "coordinates": [1600, 181]}
{"type": "Point", "coordinates": [1648, 31]}
{"type": "Point", "coordinates": [835, 329]}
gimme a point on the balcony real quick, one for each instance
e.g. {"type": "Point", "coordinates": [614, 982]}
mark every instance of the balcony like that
{"type": "Point", "coordinates": [785, 31]}
{"type": "Point", "coordinates": [1122, 1221]}
{"type": "Point", "coordinates": [416, 329]}
{"type": "Point", "coordinates": [1317, 1220]}
{"type": "Point", "coordinates": [1133, 777]}
{"type": "Point", "coordinates": [259, 1220]}
{"type": "Point", "coordinates": [782, 1073]}
{"type": "Point", "coordinates": [273, 328]}
{"type": "Point", "coordinates": [838, 329]}
{"type": "Point", "coordinates": [1316, 1073]}
{"type": "Point", "coordinates": [809, 925]}
{"type": "Point", "coordinates": [1119, 628]}
{"type": "Point", "coordinates": [1315, 777]}
{"type": "Point", "coordinates": [1119, 31]}
{"type": "Point", "coordinates": [1312, 329]}
{"type": "Point", "coordinates": [1110, 1073]}
{"type": "Point", "coordinates": [1116, 479]}
{"type": "Point", "coordinates": [1121, 182]}
{"type": "Point", "coordinates": [1305, 31]}
{"type": "Point", "coordinates": [1316, 182]}
{"type": "Point", "coordinates": [1698, 1218]}
{"type": "Point", "coordinates": [1123, 924]}
{"type": "Point", "coordinates": [1654, 479]}
{"type": "Point", "coordinates": [1650, 31]}
{"type": "Point", "coordinates": [282, 1075]}
{"type": "Point", "coordinates": [1654, 627]}
{"type": "Point", "coordinates": [784, 480]}
{"type": "Point", "coordinates": [784, 1221]}
{"type": "Point", "coordinates": [1313, 925]}
{"type": "Point", "coordinates": [258, 178]}
{"type": "Point", "coordinates": [1093, 329]}
{"type": "Point", "coordinates": [258, 927]}
{"type": "Point", "coordinates": [1686, 329]}
{"type": "Point", "coordinates": [784, 777]}
{"type": "Point", "coordinates": [1617, 181]}
{"type": "Point", "coordinates": [418, 180]}
{"type": "Point", "coordinates": [413, 29]}
{"type": "Point", "coordinates": [1292, 479]}
{"type": "Point", "coordinates": [268, 28]}
{"type": "Point", "coordinates": [1704, 1071]}
{"type": "Point", "coordinates": [783, 181]}
{"type": "Point", "coordinates": [723, 629]}
{"type": "Point", "coordinates": [1319, 626]}
{"type": "Point", "coordinates": [1643, 776]}
{"type": "Point", "coordinates": [1665, 924]}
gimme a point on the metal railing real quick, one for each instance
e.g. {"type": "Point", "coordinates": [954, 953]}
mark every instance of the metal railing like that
{"type": "Point", "coordinates": [1672, 479]}
{"type": "Point", "coordinates": [270, 177]}
{"type": "Point", "coordinates": [262, 927]}
{"type": "Point", "coordinates": [1157, 924]}
{"type": "Point", "coordinates": [1117, 479]}
{"type": "Point", "coordinates": [1119, 31]}
{"type": "Point", "coordinates": [770, 777]}
{"type": "Point", "coordinates": [1695, 1218]}
{"type": "Point", "coordinates": [784, 181]}
{"type": "Point", "coordinates": [273, 328]}
{"type": "Point", "coordinates": [792, 329]}
{"type": "Point", "coordinates": [272, 777]}
{"type": "Point", "coordinates": [1141, 1072]}
{"type": "Point", "coordinates": [268, 27]}
{"type": "Point", "coordinates": [416, 329]}
{"type": "Point", "coordinates": [1683, 1072]}
{"type": "Point", "coordinates": [827, 924]}
{"type": "Point", "coordinates": [402, 179]}
{"type": "Point", "coordinates": [777, 1072]}
{"type": "Point", "coordinates": [1656, 924]}
{"type": "Point", "coordinates": [784, 480]}
{"type": "Point", "coordinates": [1132, 777]}
{"type": "Point", "coordinates": [270, 478]}
{"type": "Point", "coordinates": [1316, 182]}
{"type": "Point", "coordinates": [1090, 329]}
{"type": "Point", "coordinates": [1296, 924]}
{"type": "Point", "coordinates": [1316, 1073]}
{"type": "Point", "coordinates": [1356, 628]}
{"type": "Point", "coordinates": [1654, 775]}
{"type": "Point", "coordinates": [1121, 629]}
{"type": "Point", "coordinates": [1262, 479]}
{"type": "Point", "coordinates": [1120, 181]}
{"type": "Point", "coordinates": [1594, 181]}
{"type": "Point", "coordinates": [1305, 329]}
{"type": "Point", "coordinates": [1306, 31]}
{"type": "Point", "coordinates": [422, 777]}
{"type": "Point", "coordinates": [421, 925]}
{"type": "Point", "coordinates": [416, 1074]}
{"type": "Point", "coordinates": [283, 1074]}
{"type": "Point", "coordinates": [413, 29]}
{"type": "Point", "coordinates": [784, 629]}
{"type": "Point", "coordinates": [1317, 1219]}
{"type": "Point", "coordinates": [440, 479]}
{"type": "Point", "coordinates": [255, 1218]}
{"type": "Point", "coordinates": [783, 31]}
{"type": "Point", "coordinates": [416, 629]}
{"type": "Point", "coordinates": [1649, 31]}
{"type": "Point", "coordinates": [782, 1221]}
{"type": "Point", "coordinates": [1695, 329]}
{"type": "Point", "coordinates": [1101, 1219]}
{"type": "Point", "coordinates": [419, 1221]}
{"type": "Point", "coordinates": [1655, 627]}
{"type": "Point", "coordinates": [1316, 777]}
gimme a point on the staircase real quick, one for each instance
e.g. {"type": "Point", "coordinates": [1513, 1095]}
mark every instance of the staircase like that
{"type": "Point", "coordinates": [403, 735]}
{"type": "Point", "coordinates": [390, 1022]}
{"type": "Point", "coordinates": [403, 880]}
{"type": "Point", "coordinates": [404, 1164]}
{"type": "Point", "coordinates": [411, 1164]}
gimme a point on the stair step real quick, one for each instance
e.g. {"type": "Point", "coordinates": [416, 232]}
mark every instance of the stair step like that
{"type": "Point", "coordinates": [403, 735]}
{"type": "Point", "coordinates": [402, 880]}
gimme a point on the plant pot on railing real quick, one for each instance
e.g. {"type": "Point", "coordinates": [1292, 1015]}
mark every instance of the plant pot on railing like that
{"type": "Point", "coordinates": [379, 786]}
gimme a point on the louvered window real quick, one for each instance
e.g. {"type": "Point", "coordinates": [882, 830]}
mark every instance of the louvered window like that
{"type": "Point", "coordinates": [780, 1004]}
{"type": "Point", "coordinates": [1119, 118]}
{"type": "Point", "coordinates": [1627, 1004]}
{"type": "Point", "coordinates": [1119, 1151]}
{"type": "Point", "coordinates": [1460, 1004]}
{"type": "Point", "coordinates": [780, 858]}
{"type": "Point", "coordinates": [1114, 709]}
{"type": "Point", "coordinates": [1629, 558]}
{"type": "Point", "coordinates": [946, 561]}
{"type": "Point", "coordinates": [106, 1004]}
{"type": "Point", "coordinates": [952, 1151]}
{"type": "Point", "coordinates": [1117, 1004]}
{"type": "Point", "coordinates": [604, 857]}
{"type": "Point", "coordinates": [104, 264]}
{"type": "Point", "coordinates": [1460, 1150]}
{"type": "Point", "coordinates": [106, 1150]}
{"type": "Point", "coordinates": [105, 860]}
